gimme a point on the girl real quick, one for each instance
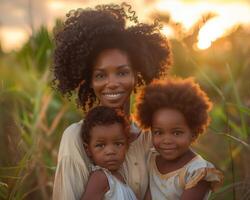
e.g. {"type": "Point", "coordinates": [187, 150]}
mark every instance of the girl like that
{"type": "Point", "coordinates": [105, 137]}
{"type": "Point", "coordinates": [176, 111]}
{"type": "Point", "coordinates": [102, 60]}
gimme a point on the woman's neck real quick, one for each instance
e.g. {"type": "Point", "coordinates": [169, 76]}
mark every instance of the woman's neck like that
{"type": "Point", "coordinates": [126, 108]}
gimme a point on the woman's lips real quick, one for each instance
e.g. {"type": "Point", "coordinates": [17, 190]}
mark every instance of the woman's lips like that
{"type": "Point", "coordinates": [113, 95]}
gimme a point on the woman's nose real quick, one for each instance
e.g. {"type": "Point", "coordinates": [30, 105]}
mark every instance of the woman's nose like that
{"type": "Point", "coordinates": [112, 82]}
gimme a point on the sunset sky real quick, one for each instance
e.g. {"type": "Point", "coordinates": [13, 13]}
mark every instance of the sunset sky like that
{"type": "Point", "coordinates": [19, 16]}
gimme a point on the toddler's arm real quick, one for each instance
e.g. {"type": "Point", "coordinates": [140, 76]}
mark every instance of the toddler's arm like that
{"type": "Point", "coordinates": [96, 187]}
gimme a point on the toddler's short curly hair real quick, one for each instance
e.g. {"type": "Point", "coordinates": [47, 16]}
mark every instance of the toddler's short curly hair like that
{"type": "Point", "coordinates": [183, 95]}
{"type": "Point", "coordinates": [102, 116]}
{"type": "Point", "coordinates": [87, 32]}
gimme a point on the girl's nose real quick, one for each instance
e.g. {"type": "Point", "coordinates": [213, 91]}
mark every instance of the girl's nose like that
{"type": "Point", "coordinates": [167, 139]}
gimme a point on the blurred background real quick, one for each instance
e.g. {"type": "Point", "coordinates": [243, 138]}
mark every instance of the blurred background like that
{"type": "Point", "coordinates": [210, 41]}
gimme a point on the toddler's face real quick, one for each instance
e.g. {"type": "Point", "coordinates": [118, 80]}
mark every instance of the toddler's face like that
{"type": "Point", "coordinates": [171, 135]}
{"type": "Point", "coordinates": [108, 145]}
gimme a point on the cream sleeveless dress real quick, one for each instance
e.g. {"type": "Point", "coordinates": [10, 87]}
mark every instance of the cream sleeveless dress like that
{"type": "Point", "coordinates": [117, 189]}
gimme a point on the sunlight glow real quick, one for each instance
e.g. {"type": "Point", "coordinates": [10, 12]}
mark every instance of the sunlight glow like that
{"type": "Point", "coordinates": [187, 13]}
{"type": "Point", "coordinates": [228, 15]}
{"type": "Point", "coordinates": [168, 31]}
{"type": "Point", "coordinates": [12, 38]}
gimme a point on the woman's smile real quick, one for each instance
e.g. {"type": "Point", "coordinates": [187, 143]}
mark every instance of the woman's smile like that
{"type": "Point", "coordinates": [113, 95]}
{"type": "Point", "coordinates": [113, 79]}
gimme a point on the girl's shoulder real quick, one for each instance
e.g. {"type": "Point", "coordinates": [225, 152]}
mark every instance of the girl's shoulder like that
{"type": "Point", "coordinates": [200, 169]}
{"type": "Point", "coordinates": [198, 162]}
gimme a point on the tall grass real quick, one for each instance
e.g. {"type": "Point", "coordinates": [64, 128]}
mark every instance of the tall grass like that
{"type": "Point", "coordinates": [33, 117]}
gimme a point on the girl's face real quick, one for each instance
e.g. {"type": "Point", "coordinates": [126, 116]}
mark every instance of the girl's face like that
{"type": "Point", "coordinates": [170, 133]}
{"type": "Point", "coordinates": [107, 146]}
{"type": "Point", "coordinates": [113, 78]}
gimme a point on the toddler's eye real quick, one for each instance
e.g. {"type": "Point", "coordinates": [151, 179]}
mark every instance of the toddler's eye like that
{"type": "Point", "coordinates": [119, 144]}
{"type": "Point", "coordinates": [100, 145]}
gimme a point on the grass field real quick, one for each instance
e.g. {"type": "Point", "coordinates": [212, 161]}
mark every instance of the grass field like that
{"type": "Point", "coordinates": [33, 116]}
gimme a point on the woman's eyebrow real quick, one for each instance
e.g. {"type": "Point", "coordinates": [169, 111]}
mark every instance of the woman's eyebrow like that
{"type": "Point", "coordinates": [102, 68]}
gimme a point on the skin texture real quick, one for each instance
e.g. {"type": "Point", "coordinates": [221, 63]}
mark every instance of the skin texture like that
{"type": "Point", "coordinates": [172, 139]}
{"type": "Point", "coordinates": [107, 148]}
{"type": "Point", "coordinates": [113, 78]}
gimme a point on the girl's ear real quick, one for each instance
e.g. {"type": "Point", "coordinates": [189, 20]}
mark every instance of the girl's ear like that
{"type": "Point", "coordinates": [194, 137]}
{"type": "Point", "coordinates": [86, 147]}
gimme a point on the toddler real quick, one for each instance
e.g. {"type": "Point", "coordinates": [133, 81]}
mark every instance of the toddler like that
{"type": "Point", "coordinates": [176, 111]}
{"type": "Point", "coordinates": [105, 137]}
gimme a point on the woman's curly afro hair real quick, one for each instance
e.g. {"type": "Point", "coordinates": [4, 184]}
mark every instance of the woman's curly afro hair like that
{"type": "Point", "coordinates": [183, 95]}
{"type": "Point", "coordinates": [87, 32]}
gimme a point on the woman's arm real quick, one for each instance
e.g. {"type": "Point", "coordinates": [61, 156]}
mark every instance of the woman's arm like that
{"type": "Point", "coordinates": [147, 195]}
{"type": "Point", "coordinates": [72, 168]}
{"type": "Point", "coordinates": [96, 187]}
{"type": "Point", "coordinates": [197, 192]}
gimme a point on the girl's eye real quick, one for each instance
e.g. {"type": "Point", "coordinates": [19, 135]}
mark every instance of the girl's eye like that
{"type": "Point", "coordinates": [177, 133]}
{"type": "Point", "coordinates": [156, 132]}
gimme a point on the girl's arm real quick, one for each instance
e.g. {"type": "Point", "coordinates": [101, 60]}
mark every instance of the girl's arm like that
{"type": "Point", "coordinates": [197, 192]}
{"type": "Point", "coordinates": [96, 187]}
{"type": "Point", "coordinates": [147, 195]}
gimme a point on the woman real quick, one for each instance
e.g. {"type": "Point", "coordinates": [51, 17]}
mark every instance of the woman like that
{"type": "Point", "coordinates": [102, 60]}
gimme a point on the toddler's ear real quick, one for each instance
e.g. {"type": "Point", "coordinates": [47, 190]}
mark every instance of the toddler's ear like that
{"type": "Point", "coordinates": [86, 147]}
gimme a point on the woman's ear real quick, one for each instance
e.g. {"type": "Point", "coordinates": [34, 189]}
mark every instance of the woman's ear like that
{"type": "Point", "coordinates": [87, 150]}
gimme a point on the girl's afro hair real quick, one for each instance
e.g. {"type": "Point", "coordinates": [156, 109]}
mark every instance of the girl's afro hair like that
{"type": "Point", "coordinates": [87, 32]}
{"type": "Point", "coordinates": [183, 95]}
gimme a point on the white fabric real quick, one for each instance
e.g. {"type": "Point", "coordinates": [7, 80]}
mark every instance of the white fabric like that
{"type": "Point", "coordinates": [170, 186]}
{"type": "Point", "coordinates": [117, 189]}
{"type": "Point", "coordinates": [73, 165]}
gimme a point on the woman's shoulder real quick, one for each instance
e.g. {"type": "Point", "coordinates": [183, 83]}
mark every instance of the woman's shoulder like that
{"type": "Point", "coordinates": [72, 129]}
{"type": "Point", "coordinates": [71, 143]}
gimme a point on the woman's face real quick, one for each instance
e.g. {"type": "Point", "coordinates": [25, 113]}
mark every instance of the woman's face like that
{"type": "Point", "coordinates": [113, 78]}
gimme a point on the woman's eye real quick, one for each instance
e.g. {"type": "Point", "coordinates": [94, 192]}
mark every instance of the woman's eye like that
{"type": "Point", "coordinates": [99, 76]}
{"type": "Point", "coordinates": [123, 73]}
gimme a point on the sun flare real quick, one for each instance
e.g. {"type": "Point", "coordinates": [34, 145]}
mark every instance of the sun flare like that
{"type": "Point", "coordinates": [228, 15]}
